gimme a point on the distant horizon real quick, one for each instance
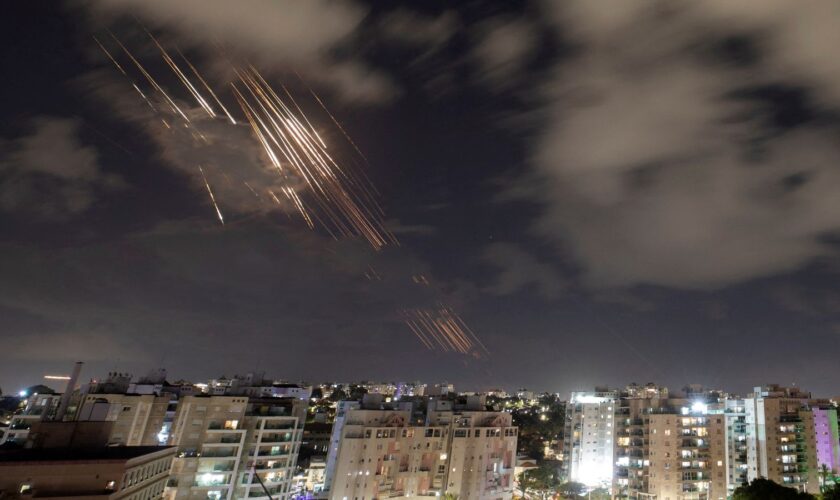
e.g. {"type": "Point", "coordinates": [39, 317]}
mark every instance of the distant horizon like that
{"type": "Point", "coordinates": [510, 390]}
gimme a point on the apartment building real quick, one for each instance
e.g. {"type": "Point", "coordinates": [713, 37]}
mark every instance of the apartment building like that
{"type": "Point", "coordinates": [38, 407]}
{"type": "Point", "coordinates": [737, 432]}
{"type": "Point", "coordinates": [256, 385]}
{"type": "Point", "coordinates": [782, 447]}
{"type": "Point", "coordinates": [590, 437]}
{"type": "Point", "coordinates": [113, 473]}
{"type": "Point", "coordinates": [686, 454]}
{"type": "Point", "coordinates": [380, 451]}
{"type": "Point", "coordinates": [138, 419]}
{"type": "Point", "coordinates": [235, 447]}
{"type": "Point", "coordinates": [631, 435]}
{"type": "Point", "coordinates": [827, 438]}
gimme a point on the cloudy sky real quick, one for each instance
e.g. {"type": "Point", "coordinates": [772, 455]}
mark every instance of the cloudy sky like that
{"type": "Point", "coordinates": [605, 192]}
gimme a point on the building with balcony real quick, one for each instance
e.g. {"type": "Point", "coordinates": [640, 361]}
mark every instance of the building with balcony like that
{"type": "Point", "coordinates": [687, 454]}
{"type": "Point", "coordinates": [379, 451]}
{"type": "Point", "coordinates": [827, 439]}
{"type": "Point", "coordinates": [235, 447]}
{"type": "Point", "coordinates": [38, 407]}
{"type": "Point", "coordinates": [138, 419]}
{"type": "Point", "coordinates": [590, 437]}
{"type": "Point", "coordinates": [781, 445]}
{"type": "Point", "coordinates": [737, 433]}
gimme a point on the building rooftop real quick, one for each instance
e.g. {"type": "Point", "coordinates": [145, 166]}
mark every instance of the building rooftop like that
{"type": "Point", "coordinates": [112, 453]}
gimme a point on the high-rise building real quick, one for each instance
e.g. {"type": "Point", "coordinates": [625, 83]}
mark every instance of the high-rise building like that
{"type": "Point", "coordinates": [781, 443]}
{"type": "Point", "coordinates": [827, 438]}
{"type": "Point", "coordinates": [735, 417]}
{"type": "Point", "coordinates": [225, 442]}
{"type": "Point", "coordinates": [590, 437]}
{"type": "Point", "coordinates": [380, 451]}
{"type": "Point", "coordinates": [686, 454]}
{"type": "Point", "coordinates": [631, 435]}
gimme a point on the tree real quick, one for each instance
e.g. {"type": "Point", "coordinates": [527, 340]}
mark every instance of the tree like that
{"type": "Point", "coordinates": [337, 395]}
{"type": "Point", "coordinates": [572, 489]}
{"type": "Point", "coordinates": [542, 482]}
{"type": "Point", "coordinates": [765, 489]}
{"type": "Point", "coordinates": [831, 492]}
{"type": "Point", "coordinates": [599, 494]}
{"type": "Point", "coordinates": [827, 478]}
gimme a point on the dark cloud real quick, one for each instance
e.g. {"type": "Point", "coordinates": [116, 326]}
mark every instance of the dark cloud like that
{"type": "Point", "coordinates": [412, 28]}
{"type": "Point", "coordinates": [502, 50]}
{"type": "Point", "coordinates": [517, 270]}
{"type": "Point", "coordinates": [49, 172]}
{"type": "Point", "coordinates": [649, 169]}
{"type": "Point", "coordinates": [275, 35]}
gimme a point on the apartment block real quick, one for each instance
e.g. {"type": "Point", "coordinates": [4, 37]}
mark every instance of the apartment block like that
{"type": "Point", "coordinates": [782, 446]}
{"type": "Point", "coordinates": [138, 419]}
{"type": "Point", "coordinates": [590, 437]}
{"type": "Point", "coordinates": [380, 451]}
{"type": "Point", "coordinates": [737, 432]}
{"type": "Point", "coordinates": [827, 438]}
{"type": "Point", "coordinates": [235, 447]}
{"type": "Point", "coordinates": [38, 407]}
{"type": "Point", "coordinates": [687, 455]}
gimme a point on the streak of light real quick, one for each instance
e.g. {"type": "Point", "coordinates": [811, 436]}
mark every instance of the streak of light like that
{"type": "Point", "coordinates": [107, 53]}
{"type": "Point", "coordinates": [420, 279]}
{"type": "Point", "coordinates": [442, 328]}
{"type": "Point", "coordinates": [209, 89]}
{"type": "Point", "coordinates": [323, 193]}
{"type": "Point", "coordinates": [284, 132]}
{"type": "Point", "coordinates": [334, 120]}
{"type": "Point", "coordinates": [150, 79]}
{"type": "Point", "coordinates": [372, 275]}
{"type": "Point", "coordinates": [181, 76]}
{"type": "Point", "coordinates": [212, 197]}
{"type": "Point", "coordinates": [57, 377]}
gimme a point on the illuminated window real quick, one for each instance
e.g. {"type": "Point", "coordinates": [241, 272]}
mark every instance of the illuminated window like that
{"type": "Point", "coordinates": [231, 424]}
{"type": "Point", "coordinates": [25, 489]}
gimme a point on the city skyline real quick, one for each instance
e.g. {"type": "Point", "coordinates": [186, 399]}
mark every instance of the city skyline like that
{"type": "Point", "coordinates": [555, 197]}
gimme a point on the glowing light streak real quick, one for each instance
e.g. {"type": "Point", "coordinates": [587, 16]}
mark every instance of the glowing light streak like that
{"type": "Point", "coordinates": [212, 197]}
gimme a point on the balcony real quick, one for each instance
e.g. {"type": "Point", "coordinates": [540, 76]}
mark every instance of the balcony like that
{"type": "Point", "coordinates": [269, 425]}
{"type": "Point", "coordinates": [273, 453]}
{"type": "Point", "coordinates": [219, 453]}
{"type": "Point", "coordinates": [274, 466]}
{"type": "Point", "coordinates": [276, 438]}
{"type": "Point", "coordinates": [208, 480]}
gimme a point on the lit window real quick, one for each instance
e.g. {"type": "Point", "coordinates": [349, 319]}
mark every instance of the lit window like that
{"type": "Point", "coordinates": [110, 485]}
{"type": "Point", "coordinates": [25, 489]}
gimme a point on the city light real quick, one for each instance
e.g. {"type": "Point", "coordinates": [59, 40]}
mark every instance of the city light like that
{"type": "Point", "coordinates": [699, 407]}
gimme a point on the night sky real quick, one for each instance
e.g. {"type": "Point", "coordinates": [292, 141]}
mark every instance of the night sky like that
{"type": "Point", "coordinates": [606, 192]}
